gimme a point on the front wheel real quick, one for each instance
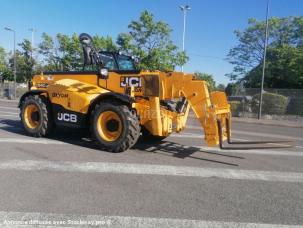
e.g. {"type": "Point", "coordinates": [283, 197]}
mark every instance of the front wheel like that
{"type": "Point", "coordinates": [35, 112]}
{"type": "Point", "coordinates": [114, 126]}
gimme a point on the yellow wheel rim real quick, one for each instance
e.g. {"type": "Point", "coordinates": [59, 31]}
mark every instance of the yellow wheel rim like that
{"type": "Point", "coordinates": [109, 126]}
{"type": "Point", "coordinates": [31, 116]}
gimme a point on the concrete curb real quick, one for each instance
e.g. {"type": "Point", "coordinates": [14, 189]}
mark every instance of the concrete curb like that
{"type": "Point", "coordinates": [279, 123]}
{"type": "Point", "coordinates": [268, 122]}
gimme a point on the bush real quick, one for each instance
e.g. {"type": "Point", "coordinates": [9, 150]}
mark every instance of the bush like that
{"type": "Point", "coordinates": [295, 106]}
{"type": "Point", "coordinates": [273, 104]}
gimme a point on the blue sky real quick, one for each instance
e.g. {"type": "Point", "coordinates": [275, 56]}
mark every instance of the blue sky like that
{"type": "Point", "coordinates": [210, 23]}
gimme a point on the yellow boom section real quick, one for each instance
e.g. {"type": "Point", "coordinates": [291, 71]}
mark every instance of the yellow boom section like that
{"type": "Point", "coordinates": [208, 108]}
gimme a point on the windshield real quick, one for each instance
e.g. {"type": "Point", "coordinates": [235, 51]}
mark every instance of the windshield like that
{"type": "Point", "coordinates": [113, 61]}
{"type": "Point", "coordinates": [108, 61]}
{"type": "Point", "coordinates": [125, 62]}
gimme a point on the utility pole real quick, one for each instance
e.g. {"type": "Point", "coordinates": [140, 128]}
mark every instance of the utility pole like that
{"type": "Point", "coordinates": [264, 63]}
{"type": "Point", "coordinates": [184, 9]}
{"type": "Point", "coordinates": [15, 61]}
{"type": "Point", "coordinates": [32, 42]}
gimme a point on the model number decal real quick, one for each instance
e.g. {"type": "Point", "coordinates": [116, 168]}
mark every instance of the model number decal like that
{"type": "Point", "coordinates": [130, 82]}
{"type": "Point", "coordinates": [67, 117]}
{"type": "Point", "coordinates": [60, 95]}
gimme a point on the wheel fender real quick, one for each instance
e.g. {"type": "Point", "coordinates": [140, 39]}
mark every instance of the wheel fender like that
{"type": "Point", "coordinates": [28, 93]}
{"type": "Point", "coordinates": [126, 99]}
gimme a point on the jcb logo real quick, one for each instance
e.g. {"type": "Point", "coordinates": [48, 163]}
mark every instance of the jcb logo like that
{"type": "Point", "coordinates": [130, 82]}
{"type": "Point", "coordinates": [67, 117]}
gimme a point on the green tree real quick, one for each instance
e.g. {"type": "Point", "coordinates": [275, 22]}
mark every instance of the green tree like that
{"type": "Point", "coordinates": [221, 87]}
{"type": "Point", "coordinates": [284, 69]}
{"type": "Point", "coordinates": [284, 57]}
{"type": "Point", "coordinates": [25, 62]}
{"type": "Point", "coordinates": [104, 43]}
{"type": "Point", "coordinates": [2, 58]}
{"type": "Point", "coordinates": [3, 64]}
{"type": "Point", "coordinates": [208, 78]}
{"type": "Point", "coordinates": [49, 53]}
{"type": "Point", "coordinates": [68, 55]}
{"type": "Point", "coordinates": [5, 71]}
{"type": "Point", "coordinates": [150, 41]}
{"type": "Point", "coordinates": [70, 52]}
{"type": "Point", "coordinates": [231, 89]}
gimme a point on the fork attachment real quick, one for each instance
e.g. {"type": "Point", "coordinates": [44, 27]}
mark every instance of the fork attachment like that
{"type": "Point", "coordinates": [229, 141]}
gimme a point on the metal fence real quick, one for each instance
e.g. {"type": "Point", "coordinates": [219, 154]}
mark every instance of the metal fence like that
{"type": "Point", "coordinates": [284, 104]}
{"type": "Point", "coordinates": [7, 90]}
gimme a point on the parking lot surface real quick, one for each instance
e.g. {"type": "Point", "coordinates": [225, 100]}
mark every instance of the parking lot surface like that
{"type": "Point", "coordinates": [176, 183]}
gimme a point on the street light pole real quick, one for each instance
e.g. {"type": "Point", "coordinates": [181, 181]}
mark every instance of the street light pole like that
{"type": "Point", "coordinates": [15, 61]}
{"type": "Point", "coordinates": [32, 42]}
{"type": "Point", "coordinates": [184, 10]}
{"type": "Point", "coordinates": [264, 62]}
{"type": "Point", "coordinates": [32, 48]}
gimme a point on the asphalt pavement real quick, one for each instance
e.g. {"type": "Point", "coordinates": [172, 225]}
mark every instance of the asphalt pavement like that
{"type": "Point", "coordinates": [66, 181]}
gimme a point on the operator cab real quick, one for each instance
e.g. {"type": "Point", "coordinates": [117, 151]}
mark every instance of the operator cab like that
{"type": "Point", "coordinates": [116, 61]}
{"type": "Point", "coordinates": [105, 60]}
{"type": "Point", "coordinates": [101, 61]}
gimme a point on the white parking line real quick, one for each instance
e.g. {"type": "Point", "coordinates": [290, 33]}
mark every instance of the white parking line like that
{"type": "Point", "coordinates": [29, 220]}
{"type": "Point", "coordinates": [187, 135]}
{"type": "Point", "coordinates": [270, 135]}
{"type": "Point", "coordinates": [14, 113]}
{"type": "Point", "coordinates": [11, 108]}
{"type": "Point", "coordinates": [10, 101]}
{"type": "Point", "coordinates": [201, 136]}
{"type": "Point", "coordinates": [261, 152]}
{"type": "Point", "coordinates": [267, 135]}
{"type": "Point", "coordinates": [29, 141]}
{"type": "Point", "coordinates": [6, 115]}
{"type": "Point", "coordinates": [207, 149]}
{"type": "Point", "coordinates": [301, 147]}
{"type": "Point", "coordinates": [146, 169]}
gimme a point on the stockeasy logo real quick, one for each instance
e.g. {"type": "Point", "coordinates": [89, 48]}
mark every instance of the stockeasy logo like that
{"type": "Point", "coordinates": [60, 95]}
{"type": "Point", "coordinates": [67, 117]}
{"type": "Point", "coordinates": [130, 81]}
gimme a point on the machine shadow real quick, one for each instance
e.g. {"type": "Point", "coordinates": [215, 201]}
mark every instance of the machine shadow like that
{"type": "Point", "coordinates": [82, 138]}
{"type": "Point", "coordinates": [180, 151]}
{"type": "Point", "coordinates": [66, 135]}
{"type": "Point", "coordinates": [12, 126]}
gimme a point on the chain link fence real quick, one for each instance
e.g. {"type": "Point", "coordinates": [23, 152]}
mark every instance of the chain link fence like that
{"type": "Point", "coordinates": [281, 104]}
{"type": "Point", "coordinates": [7, 90]}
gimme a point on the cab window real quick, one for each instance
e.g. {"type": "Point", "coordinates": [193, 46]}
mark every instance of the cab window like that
{"type": "Point", "coordinates": [125, 62]}
{"type": "Point", "coordinates": [108, 61]}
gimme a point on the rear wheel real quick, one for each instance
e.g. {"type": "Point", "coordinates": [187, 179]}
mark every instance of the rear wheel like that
{"type": "Point", "coordinates": [36, 116]}
{"type": "Point", "coordinates": [114, 127]}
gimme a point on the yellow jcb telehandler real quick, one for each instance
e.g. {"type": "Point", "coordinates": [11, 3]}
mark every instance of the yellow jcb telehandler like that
{"type": "Point", "coordinates": [119, 103]}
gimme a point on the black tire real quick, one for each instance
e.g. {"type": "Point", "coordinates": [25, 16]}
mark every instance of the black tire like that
{"type": "Point", "coordinates": [146, 136]}
{"type": "Point", "coordinates": [43, 113]}
{"type": "Point", "coordinates": [130, 129]}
